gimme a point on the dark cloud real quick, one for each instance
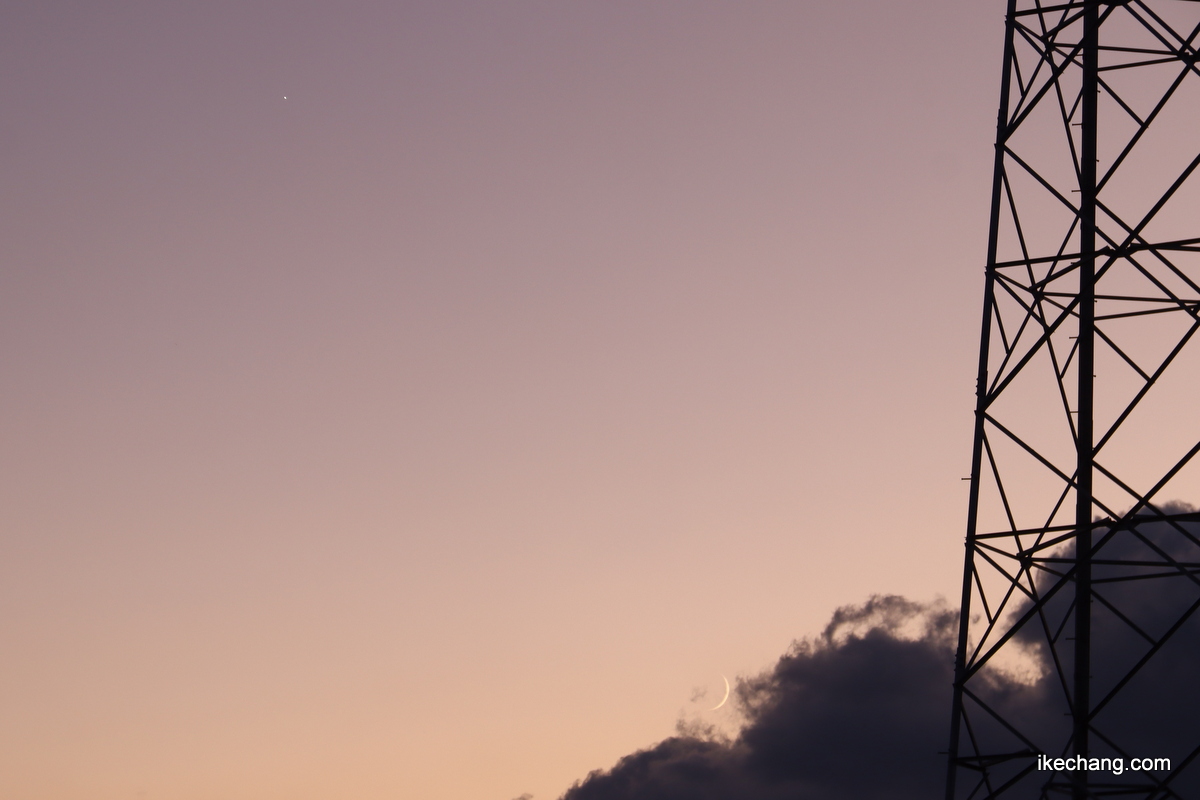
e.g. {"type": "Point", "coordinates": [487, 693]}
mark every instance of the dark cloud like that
{"type": "Point", "coordinates": [861, 712]}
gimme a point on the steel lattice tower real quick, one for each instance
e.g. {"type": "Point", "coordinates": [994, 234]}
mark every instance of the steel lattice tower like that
{"type": "Point", "coordinates": [1082, 576]}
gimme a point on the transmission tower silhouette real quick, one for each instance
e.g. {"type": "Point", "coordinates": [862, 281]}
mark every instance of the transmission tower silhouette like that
{"type": "Point", "coordinates": [1082, 572]}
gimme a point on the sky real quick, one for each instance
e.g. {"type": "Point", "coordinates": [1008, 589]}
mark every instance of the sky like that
{"type": "Point", "coordinates": [437, 399]}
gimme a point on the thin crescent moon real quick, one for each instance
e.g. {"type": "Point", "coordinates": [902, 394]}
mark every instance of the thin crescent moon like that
{"type": "Point", "coordinates": [726, 697]}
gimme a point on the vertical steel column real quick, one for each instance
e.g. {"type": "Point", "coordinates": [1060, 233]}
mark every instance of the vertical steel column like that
{"type": "Point", "coordinates": [981, 395]}
{"type": "Point", "coordinates": [1084, 445]}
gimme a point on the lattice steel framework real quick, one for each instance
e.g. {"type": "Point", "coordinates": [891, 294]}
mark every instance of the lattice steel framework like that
{"type": "Point", "coordinates": [1082, 578]}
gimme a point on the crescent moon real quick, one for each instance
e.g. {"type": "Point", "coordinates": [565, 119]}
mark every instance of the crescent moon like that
{"type": "Point", "coordinates": [726, 697]}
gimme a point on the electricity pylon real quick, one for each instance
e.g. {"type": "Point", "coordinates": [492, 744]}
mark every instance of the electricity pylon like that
{"type": "Point", "coordinates": [1082, 575]}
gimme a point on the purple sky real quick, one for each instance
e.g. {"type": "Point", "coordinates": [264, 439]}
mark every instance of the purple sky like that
{"type": "Point", "coordinates": [439, 430]}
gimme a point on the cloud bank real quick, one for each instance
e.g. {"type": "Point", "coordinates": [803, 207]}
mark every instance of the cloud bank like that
{"type": "Point", "coordinates": [862, 711]}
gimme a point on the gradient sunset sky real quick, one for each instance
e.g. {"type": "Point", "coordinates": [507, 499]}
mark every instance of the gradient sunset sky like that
{"type": "Point", "coordinates": [450, 427]}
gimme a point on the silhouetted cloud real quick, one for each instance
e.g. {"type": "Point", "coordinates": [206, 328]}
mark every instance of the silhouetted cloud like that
{"type": "Point", "coordinates": [862, 711]}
